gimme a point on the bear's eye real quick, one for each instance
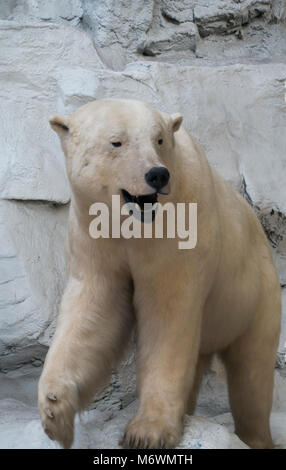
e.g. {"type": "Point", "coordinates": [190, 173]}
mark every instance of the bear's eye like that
{"type": "Point", "coordinates": [116, 144]}
{"type": "Point", "coordinates": [160, 141]}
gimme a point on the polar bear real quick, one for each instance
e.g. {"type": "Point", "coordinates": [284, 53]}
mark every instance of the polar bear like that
{"type": "Point", "coordinates": [223, 296]}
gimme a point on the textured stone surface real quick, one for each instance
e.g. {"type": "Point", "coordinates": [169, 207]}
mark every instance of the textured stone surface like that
{"type": "Point", "coordinates": [63, 10]}
{"type": "Point", "coordinates": [278, 12]}
{"type": "Point", "coordinates": [32, 165]}
{"type": "Point", "coordinates": [221, 63]}
{"type": "Point", "coordinates": [179, 38]}
{"type": "Point", "coordinates": [115, 35]}
{"type": "Point", "coordinates": [178, 12]}
{"type": "Point", "coordinates": [221, 17]}
{"type": "Point", "coordinates": [32, 278]}
{"type": "Point", "coordinates": [187, 31]}
{"type": "Point", "coordinates": [94, 430]}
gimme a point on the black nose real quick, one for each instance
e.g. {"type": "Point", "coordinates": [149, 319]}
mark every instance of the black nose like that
{"type": "Point", "coordinates": [157, 177]}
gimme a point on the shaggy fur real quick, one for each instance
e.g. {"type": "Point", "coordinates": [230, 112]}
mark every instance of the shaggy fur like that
{"type": "Point", "coordinates": [221, 297]}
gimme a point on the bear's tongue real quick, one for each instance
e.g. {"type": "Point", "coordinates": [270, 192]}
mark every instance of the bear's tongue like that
{"type": "Point", "coordinates": [148, 199]}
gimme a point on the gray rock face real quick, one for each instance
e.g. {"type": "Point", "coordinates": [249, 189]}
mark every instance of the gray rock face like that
{"type": "Point", "coordinates": [222, 65]}
{"type": "Point", "coordinates": [179, 32]}
{"type": "Point", "coordinates": [32, 279]}
{"type": "Point", "coordinates": [113, 32]}
{"type": "Point", "coordinates": [31, 56]}
{"type": "Point", "coordinates": [223, 17]}
{"type": "Point", "coordinates": [53, 10]}
{"type": "Point", "coordinates": [180, 38]}
{"type": "Point", "coordinates": [178, 12]}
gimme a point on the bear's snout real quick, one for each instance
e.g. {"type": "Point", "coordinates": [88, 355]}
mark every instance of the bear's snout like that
{"type": "Point", "coordinates": [157, 177]}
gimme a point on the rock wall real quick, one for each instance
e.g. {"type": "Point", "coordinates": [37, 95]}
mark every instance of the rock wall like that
{"type": "Point", "coordinates": [221, 63]}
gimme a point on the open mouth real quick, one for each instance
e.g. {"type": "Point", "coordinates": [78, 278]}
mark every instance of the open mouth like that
{"type": "Point", "coordinates": [143, 207]}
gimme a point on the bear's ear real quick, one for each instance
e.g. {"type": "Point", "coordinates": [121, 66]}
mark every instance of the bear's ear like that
{"type": "Point", "coordinates": [59, 124]}
{"type": "Point", "coordinates": [176, 121]}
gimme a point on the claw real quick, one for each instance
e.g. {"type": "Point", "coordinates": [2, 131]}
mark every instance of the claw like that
{"type": "Point", "coordinates": [162, 444]}
{"type": "Point", "coordinates": [49, 413]}
{"type": "Point", "coordinates": [52, 397]}
{"type": "Point", "coordinates": [132, 442]}
{"type": "Point", "coordinates": [49, 434]}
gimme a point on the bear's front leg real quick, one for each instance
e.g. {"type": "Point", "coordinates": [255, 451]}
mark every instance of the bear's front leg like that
{"type": "Point", "coordinates": [93, 325]}
{"type": "Point", "coordinates": [169, 322]}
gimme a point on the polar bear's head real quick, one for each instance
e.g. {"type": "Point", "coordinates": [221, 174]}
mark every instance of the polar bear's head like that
{"type": "Point", "coordinates": [118, 147]}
